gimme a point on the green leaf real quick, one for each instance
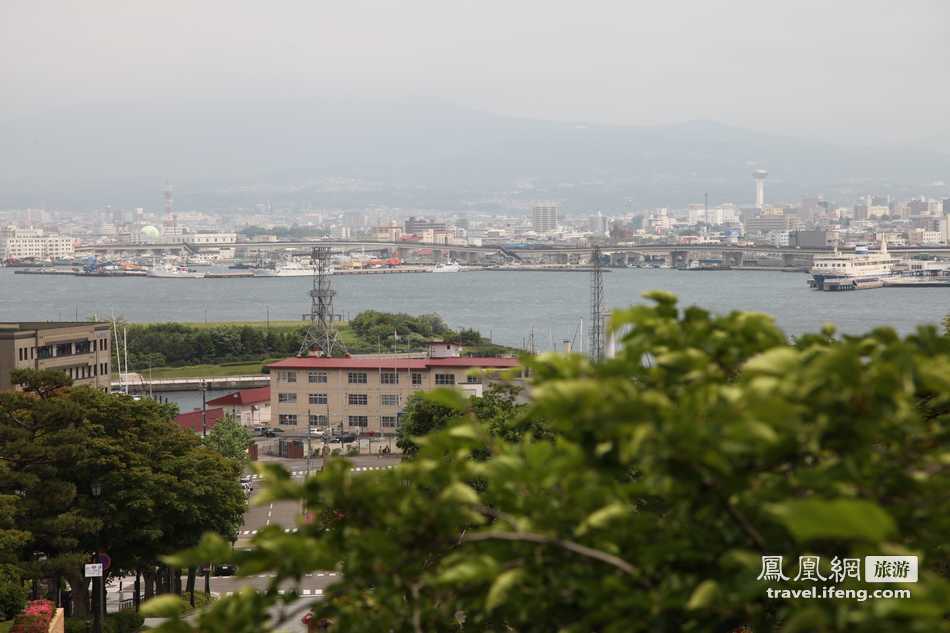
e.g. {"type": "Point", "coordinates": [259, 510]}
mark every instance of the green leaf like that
{"type": "Point", "coordinates": [703, 595]}
{"type": "Point", "coordinates": [460, 492]}
{"type": "Point", "coordinates": [502, 585]}
{"type": "Point", "coordinates": [775, 362]}
{"type": "Point", "coordinates": [449, 398]}
{"type": "Point", "coordinates": [166, 606]}
{"type": "Point", "coordinates": [846, 519]}
{"type": "Point", "coordinates": [601, 517]}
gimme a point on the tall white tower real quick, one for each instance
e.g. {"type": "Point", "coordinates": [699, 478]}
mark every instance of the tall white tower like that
{"type": "Point", "coordinates": [760, 175]}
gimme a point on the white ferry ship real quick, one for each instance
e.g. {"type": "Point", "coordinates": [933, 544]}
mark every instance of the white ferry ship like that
{"type": "Point", "coordinates": [853, 271]}
{"type": "Point", "coordinates": [450, 267]}
{"type": "Point", "coordinates": [288, 269]}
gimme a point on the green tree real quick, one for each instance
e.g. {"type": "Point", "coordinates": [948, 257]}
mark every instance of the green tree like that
{"type": "Point", "coordinates": [159, 489]}
{"type": "Point", "coordinates": [671, 469]}
{"type": "Point", "coordinates": [230, 439]}
{"type": "Point", "coordinates": [421, 416]}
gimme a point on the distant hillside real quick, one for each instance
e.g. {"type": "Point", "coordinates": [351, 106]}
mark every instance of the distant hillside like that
{"type": "Point", "coordinates": [415, 154]}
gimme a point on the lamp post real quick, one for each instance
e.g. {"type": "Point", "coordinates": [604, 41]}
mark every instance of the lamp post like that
{"type": "Point", "coordinates": [99, 613]}
{"type": "Point", "coordinates": [204, 408]}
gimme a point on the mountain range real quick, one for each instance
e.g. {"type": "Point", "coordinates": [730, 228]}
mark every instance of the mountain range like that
{"type": "Point", "coordinates": [420, 154]}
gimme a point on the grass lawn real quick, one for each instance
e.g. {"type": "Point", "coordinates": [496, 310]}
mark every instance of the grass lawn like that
{"type": "Point", "coordinates": [5, 626]}
{"type": "Point", "coordinates": [200, 371]}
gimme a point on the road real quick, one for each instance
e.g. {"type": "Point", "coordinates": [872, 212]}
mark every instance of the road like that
{"type": "Point", "coordinates": [284, 514]}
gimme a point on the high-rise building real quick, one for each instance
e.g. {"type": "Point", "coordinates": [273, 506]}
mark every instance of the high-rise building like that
{"type": "Point", "coordinates": [544, 217]}
{"type": "Point", "coordinates": [760, 175]}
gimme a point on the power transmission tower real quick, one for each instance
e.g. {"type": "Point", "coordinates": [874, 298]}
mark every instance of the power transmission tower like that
{"type": "Point", "coordinates": [321, 333]}
{"type": "Point", "coordinates": [596, 307]}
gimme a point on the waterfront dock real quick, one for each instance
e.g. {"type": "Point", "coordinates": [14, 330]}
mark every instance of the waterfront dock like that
{"type": "Point", "coordinates": [140, 384]}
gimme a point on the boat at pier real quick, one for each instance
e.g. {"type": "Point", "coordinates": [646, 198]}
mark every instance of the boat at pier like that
{"type": "Point", "coordinates": [288, 269]}
{"type": "Point", "coordinates": [171, 271]}
{"type": "Point", "coordinates": [853, 271]}
{"type": "Point", "coordinates": [450, 267]}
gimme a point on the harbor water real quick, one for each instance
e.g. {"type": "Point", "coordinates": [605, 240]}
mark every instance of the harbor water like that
{"type": "Point", "coordinates": [504, 305]}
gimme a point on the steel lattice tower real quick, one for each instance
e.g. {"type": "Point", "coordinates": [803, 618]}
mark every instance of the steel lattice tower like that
{"type": "Point", "coordinates": [321, 333]}
{"type": "Point", "coordinates": [596, 307]}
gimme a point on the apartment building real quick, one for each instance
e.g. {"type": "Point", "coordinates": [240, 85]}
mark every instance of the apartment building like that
{"type": "Point", "coordinates": [33, 244]}
{"type": "Point", "coordinates": [79, 349]}
{"type": "Point", "coordinates": [366, 394]}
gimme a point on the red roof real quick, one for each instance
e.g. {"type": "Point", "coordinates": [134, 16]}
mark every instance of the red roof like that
{"type": "Point", "coordinates": [242, 398]}
{"type": "Point", "coordinates": [192, 419]}
{"type": "Point", "coordinates": [318, 362]}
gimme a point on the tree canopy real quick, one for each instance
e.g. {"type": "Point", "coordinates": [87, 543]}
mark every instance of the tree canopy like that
{"type": "Point", "coordinates": [646, 498]}
{"type": "Point", "coordinates": [159, 489]}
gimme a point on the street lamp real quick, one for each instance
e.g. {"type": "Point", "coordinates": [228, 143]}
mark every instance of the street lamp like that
{"type": "Point", "coordinates": [99, 614]}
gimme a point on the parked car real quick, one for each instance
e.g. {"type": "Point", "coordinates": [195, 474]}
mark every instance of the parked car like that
{"type": "Point", "coordinates": [224, 569]}
{"type": "Point", "coordinates": [272, 432]}
{"type": "Point", "coordinates": [345, 438]}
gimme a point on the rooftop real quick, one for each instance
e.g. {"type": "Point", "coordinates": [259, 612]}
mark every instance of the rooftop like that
{"type": "Point", "coordinates": [245, 397]}
{"type": "Point", "coordinates": [49, 325]}
{"type": "Point", "coordinates": [192, 419]}
{"type": "Point", "coordinates": [357, 362]}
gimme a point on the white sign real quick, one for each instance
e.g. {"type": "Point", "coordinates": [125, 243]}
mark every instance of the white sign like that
{"type": "Point", "coordinates": [94, 570]}
{"type": "Point", "coordinates": [890, 569]}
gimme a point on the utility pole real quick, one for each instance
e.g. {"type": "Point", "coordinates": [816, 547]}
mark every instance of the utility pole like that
{"type": "Point", "coordinates": [204, 408]}
{"type": "Point", "coordinates": [596, 307]}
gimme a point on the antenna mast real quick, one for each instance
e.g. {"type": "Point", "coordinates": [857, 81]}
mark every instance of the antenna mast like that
{"type": "Point", "coordinates": [321, 333]}
{"type": "Point", "coordinates": [596, 307]}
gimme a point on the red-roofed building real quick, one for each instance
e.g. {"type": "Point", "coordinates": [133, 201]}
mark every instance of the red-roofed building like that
{"type": "Point", "coordinates": [366, 394]}
{"type": "Point", "coordinates": [249, 406]}
{"type": "Point", "coordinates": [192, 420]}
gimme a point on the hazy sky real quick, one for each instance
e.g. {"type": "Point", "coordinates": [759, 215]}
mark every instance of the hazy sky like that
{"type": "Point", "coordinates": [866, 69]}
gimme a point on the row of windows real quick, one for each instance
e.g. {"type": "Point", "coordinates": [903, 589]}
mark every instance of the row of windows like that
{"type": "Point", "coordinates": [86, 371]}
{"type": "Point", "coordinates": [355, 399]}
{"type": "Point", "coordinates": [361, 377]}
{"type": "Point", "coordinates": [62, 349]}
{"type": "Point", "coordinates": [361, 421]}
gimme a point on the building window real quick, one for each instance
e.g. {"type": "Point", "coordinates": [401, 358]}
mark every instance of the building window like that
{"type": "Point", "coordinates": [356, 377]}
{"type": "Point", "coordinates": [64, 349]}
{"type": "Point", "coordinates": [287, 398]}
{"type": "Point", "coordinates": [45, 352]}
{"type": "Point", "coordinates": [445, 379]}
{"type": "Point", "coordinates": [361, 421]}
{"type": "Point", "coordinates": [416, 378]}
{"type": "Point", "coordinates": [287, 419]}
{"type": "Point", "coordinates": [319, 420]}
{"type": "Point", "coordinates": [389, 378]}
{"type": "Point", "coordinates": [83, 347]}
{"type": "Point", "coordinates": [357, 398]}
{"type": "Point", "coordinates": [317, 377]}
{"type": "Point", "coordinates": [287, 376]}
{"type": "Point", "coordinates": [317, 398]}
{"type": "Point", "coordinates": [389, 399]}
{"type": "Point", "coordinates": [387, 421]}
{"type": "Point", "coordinates": [473, 379]}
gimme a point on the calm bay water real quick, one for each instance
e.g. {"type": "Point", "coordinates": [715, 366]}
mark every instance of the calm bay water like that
{"type": "Point", "coordinates": [506, 305]}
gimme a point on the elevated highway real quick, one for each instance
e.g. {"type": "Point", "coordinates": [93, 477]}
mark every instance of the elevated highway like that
{"type": "Point", "coordinates": [676, 254]}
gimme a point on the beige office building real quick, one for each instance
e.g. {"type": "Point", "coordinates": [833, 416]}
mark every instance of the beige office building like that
{"type": "Point", "coordinates": [366, 394]}
{"type": "Point", "coordinates": [79, 349]}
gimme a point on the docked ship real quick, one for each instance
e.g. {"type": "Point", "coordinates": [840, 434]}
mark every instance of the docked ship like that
{"type": "Point", "coordinates": [171, 271]}
{"type": "Point", "coordinates": [451, 267]}
{"type": "Point", "coordinates": [288, 269]}
{"type": "Point", "coordinates": [853, 271]}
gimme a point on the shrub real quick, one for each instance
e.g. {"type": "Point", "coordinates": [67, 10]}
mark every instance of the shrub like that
{"type": "Point", "coordinates": [126, 621]}
{"type": "Point", "coordinates": [78, 625]}
{"type": "Point", "coordinates": [34, 618]}
{"type": "Point", "coordinates": [12, 595]}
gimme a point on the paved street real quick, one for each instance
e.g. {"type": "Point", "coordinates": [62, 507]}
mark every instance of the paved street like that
{"type": "Point", "coordinates": [284, 514]}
